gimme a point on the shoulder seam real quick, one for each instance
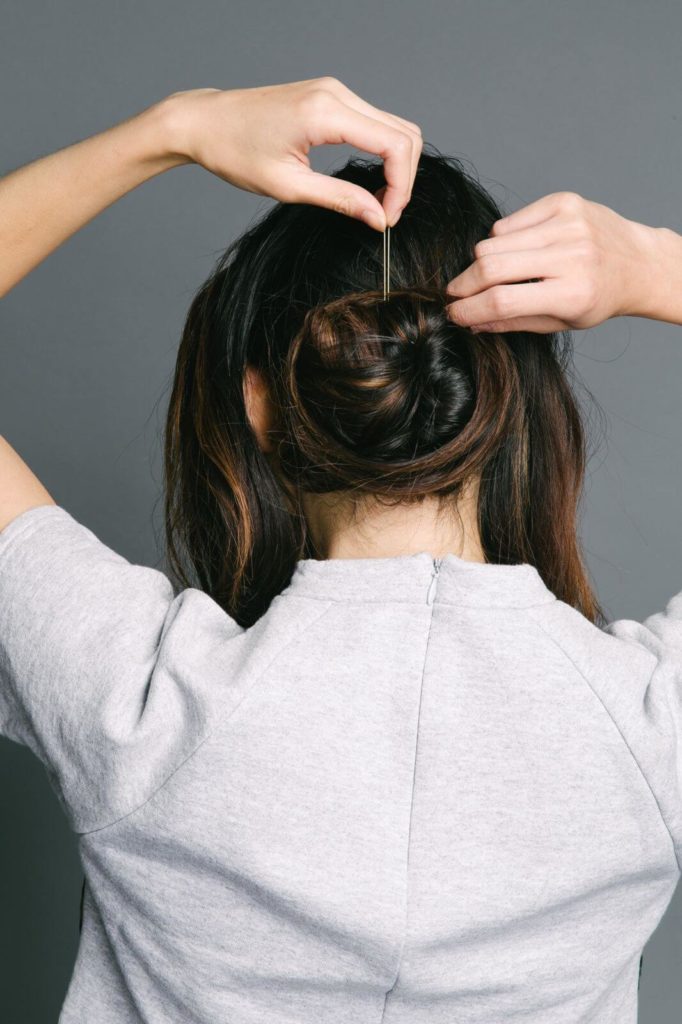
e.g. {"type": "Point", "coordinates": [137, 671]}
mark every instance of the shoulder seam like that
{"type": "Point", "coordinates": [620, 733]}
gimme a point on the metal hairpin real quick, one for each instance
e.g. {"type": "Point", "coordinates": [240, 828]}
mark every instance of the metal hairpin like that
{"type": "Point", "coordinates": [387, 262]}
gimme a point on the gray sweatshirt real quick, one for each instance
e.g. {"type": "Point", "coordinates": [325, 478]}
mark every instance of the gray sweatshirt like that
{"type": "Point", "coordinates": [417, 791]}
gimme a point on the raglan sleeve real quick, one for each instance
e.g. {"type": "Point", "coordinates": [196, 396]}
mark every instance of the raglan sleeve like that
{"type": "Point", "coordinates": [659, 633]}
{"type": "Point", "coordinates": [649, 699]}
{"type": "Point", "coordinates": [84, 682]}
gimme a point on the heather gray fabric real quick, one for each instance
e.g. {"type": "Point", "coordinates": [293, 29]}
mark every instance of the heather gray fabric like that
{"type": "Point", "coordinates": [410, 793]}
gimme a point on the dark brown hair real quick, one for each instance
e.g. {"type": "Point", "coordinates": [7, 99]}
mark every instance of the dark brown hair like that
{"type": "Point", "coordinates": [377, 397]}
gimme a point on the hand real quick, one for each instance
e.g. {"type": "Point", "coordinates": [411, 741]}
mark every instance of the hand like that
{"type": "Point", "coordinates": [259, 140]}
{"type": "Point", "coordinates": [560, 262]}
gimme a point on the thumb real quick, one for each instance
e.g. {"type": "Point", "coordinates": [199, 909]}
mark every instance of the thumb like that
{"type": "Point", "coordinates": [342, 197]}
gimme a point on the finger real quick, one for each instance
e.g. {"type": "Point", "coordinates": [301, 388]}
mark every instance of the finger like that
{"type": "Point", "coordinates": [393, 145]}
{"type": "Point", "coordinates": [536, 237]}
{"type": "Point", "coordinates": [509, 301]}
{"type": "Point", "coordinates": [536, 324]}
{"type": "Point", "coordinates": [528, 216]}
{"type": "Point", "coordinates": [357, 103]}
{"type": "Point", "coordinates": [399, 182]}
{"type": "Point", "coordinates": [399, 122]}
{"type": "Point", "coordinates": [337, 91]}
{"type": "Point", "coordinates": [505, 268]}
{"type": "Point", "coordinates": [302, 185]}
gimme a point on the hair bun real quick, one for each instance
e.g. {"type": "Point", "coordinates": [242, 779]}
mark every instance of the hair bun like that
{"type": "Point", "coordinates": [372, 384]}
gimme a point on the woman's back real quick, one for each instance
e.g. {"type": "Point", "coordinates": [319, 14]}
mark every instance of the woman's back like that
{"type": "Point", "coordinates": [417, 787]}
{"type": "Point", "coordinates": [415, 790]}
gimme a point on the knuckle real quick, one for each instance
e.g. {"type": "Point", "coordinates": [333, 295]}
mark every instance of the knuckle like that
{"type": "Point", "coordinates": [459, 311]}
{"type": "Point", "coordinates": [328, 82]}
{"type": "Point", "coordinates": [343, 204]}
{"type": "Point", "coordinates": [502, 302]}
{"type": "Point", "coordinates": [488, 267]}
{"type": "Point", "coordinates": [570, 202]}
{"type": "Point", "coordinates": [316, 102]}
{"type": "Point", "coordinates": [482, 248]}
{"type": "Point", "coordinates": [575, 220]}
{"type": "Point", "coordinates": [402, 144]}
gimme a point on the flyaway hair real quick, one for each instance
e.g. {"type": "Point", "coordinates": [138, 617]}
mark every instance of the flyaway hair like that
{"type": "Point", "coordinates": [387, 399]}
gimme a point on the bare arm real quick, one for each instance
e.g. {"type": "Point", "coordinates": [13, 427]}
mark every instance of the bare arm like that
{"type": "Point", "coordinates": [44, 203]}
{"type": "Point", "coordinates": [257, 139]}
{"type": "Point", "coordinates": [47, 201]}
{"type": "Point", "coordinates": [566, 262]}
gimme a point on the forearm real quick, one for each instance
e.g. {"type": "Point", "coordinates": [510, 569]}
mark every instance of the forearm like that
{"type": "Point", "coordinates": [47, 201]}
{"type": "Point", "coordinates": [660, 294]}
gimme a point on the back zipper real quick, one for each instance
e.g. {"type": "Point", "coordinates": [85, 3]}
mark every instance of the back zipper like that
{"type": "Point", "coordinates": [431, 592]}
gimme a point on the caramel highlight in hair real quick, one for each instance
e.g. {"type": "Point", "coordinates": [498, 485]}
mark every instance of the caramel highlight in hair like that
{"type": "Point", "coordinates": [373, 398]}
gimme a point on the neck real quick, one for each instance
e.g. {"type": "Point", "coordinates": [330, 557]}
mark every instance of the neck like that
{"type": "Point", "coordinates": [341, 528]}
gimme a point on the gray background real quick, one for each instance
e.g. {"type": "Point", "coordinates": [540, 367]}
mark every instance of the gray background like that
{"type": "Point", "coordinates": [538, 96]}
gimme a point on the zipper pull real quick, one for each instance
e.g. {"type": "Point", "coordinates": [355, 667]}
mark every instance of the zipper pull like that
{"type": "Point", "coordinates": [431, 593]}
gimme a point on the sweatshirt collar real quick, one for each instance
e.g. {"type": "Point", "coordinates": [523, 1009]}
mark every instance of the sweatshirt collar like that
{"type": "Point", "coordinates": [420, 578]}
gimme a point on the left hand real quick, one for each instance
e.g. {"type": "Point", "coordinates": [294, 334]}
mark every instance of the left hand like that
{"type": "Point", "coordinates": [560, 262]}
{"type": "Point", "coordinates": [259, 139]}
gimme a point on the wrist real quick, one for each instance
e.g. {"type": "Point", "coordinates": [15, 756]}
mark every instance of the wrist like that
{"type": "Point", "coordinates": [158, 130]}
{"type": "Point", "coordinates": [657, 293]}
{"type": "Point", "coordinates": [177, 119]}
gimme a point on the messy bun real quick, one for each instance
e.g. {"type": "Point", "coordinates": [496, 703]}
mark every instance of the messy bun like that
{"type": "Point", "coordinates": [387, 393]}
{"type": "Point", "coordinates": [369, 397]}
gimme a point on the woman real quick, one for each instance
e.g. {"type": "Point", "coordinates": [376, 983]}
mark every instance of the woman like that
{"type": "Point", "coordinates": [386, 761]}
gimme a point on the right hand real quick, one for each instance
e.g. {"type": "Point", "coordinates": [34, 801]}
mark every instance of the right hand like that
{"type": "Point", "coordinates": [560, 262]}
{"type": "Point", "coordinates": [259, 139]}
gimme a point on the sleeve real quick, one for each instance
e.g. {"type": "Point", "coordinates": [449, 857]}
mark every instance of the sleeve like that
{"type": "Point", "coordinates": [647, 696]}
{"type": "Point", "coordinates": [660, 633]}
{"type": "Point", "coordinates": [84, 682]}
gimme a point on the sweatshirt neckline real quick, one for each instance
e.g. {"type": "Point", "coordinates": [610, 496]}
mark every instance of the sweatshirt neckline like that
{"type": "Point", "coordinates": [420, 578]}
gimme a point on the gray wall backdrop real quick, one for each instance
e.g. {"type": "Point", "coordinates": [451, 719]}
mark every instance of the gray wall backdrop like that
{"type": "Point", "coordinates": [539, 96]}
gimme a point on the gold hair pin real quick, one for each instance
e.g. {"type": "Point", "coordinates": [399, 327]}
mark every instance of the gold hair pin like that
{"type": "Point", "coordinates": [387, 262]}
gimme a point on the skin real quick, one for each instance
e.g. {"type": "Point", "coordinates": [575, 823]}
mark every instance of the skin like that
{"type": "Point", "coordinates": [591, 263]}
{"type": "Point", "coordinates": [342, 528]}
